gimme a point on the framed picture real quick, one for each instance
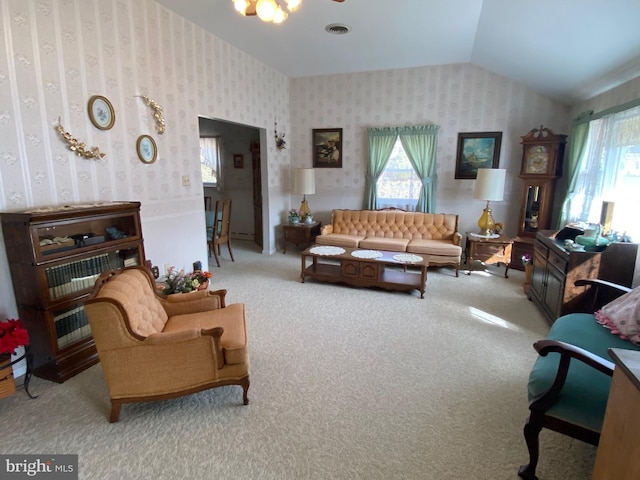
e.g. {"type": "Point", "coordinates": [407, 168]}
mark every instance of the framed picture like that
{"type": "Point", "coordinates": [147, 149]}
{"type": "Point", "coordinates": [101, 112]}
{"type": "Point", "coordinates": [477, 150]}
{"type": "Point", "coordinates": [238, 160]}
{"type": "Point", "coordinates": [327, 148]}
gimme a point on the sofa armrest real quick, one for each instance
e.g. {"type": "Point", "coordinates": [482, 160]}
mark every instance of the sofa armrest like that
{"type": "Point", "coordinates": [326, 229]}
{"type": "Point", "coordinates": [201, 301]}
{"type": "Point", "coordinates": [457, 238]}
{"type": "Point", "coordinates": [567, 352]}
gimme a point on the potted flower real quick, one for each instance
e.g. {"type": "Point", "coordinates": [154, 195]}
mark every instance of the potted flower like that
{"type": "Point", "coordinates": [177, 281]}
{"type": "Point", "coordinates": [12, 335]}
{"type": "Point", "coordinates": [294, 216]}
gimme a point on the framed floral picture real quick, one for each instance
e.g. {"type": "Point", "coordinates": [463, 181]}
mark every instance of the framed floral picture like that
{"type": "Point", "coordinates": [327, 148]}
{"type": "Point", "coordinates": [477, 150]}
{"type": "Point", "coordinates": [101, 112]}
{"type": "Point", "coordinates": [147, 149]}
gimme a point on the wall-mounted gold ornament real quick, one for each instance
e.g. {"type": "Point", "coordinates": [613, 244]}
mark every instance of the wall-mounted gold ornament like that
{"type": "Point", "coordinates": [157, 113]}
{"type": "Point", "coordinates": [78, 147]}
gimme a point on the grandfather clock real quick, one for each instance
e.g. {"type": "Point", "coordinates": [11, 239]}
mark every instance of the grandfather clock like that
{"type": "Point", "coordinates": [542, 153]}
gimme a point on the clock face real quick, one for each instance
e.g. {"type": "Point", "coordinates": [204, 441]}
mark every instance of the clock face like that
{"type": "Point", "coordinates": [537, 160]}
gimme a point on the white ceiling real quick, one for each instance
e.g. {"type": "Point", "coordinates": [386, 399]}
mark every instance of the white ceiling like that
{"type": "Point", "coordinates": [570, 50]}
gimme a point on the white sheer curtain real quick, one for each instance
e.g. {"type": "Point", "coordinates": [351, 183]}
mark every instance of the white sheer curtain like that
{"type": "Point", "coordinates": [610, 171]}
{"type": "Point", "coordinates": [210, 154]}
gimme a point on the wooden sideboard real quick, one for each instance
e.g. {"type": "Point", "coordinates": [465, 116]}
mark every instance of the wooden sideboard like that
{"type": "Point", "coordinates": [555, 271]}
{"type": "Point", "coordinates": [619, 447]}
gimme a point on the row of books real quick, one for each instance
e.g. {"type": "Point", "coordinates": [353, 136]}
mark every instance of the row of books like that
{"type": "Point", "coordinates": [71, 325]}
{"type": "Point", "coordinates": [75, 276]}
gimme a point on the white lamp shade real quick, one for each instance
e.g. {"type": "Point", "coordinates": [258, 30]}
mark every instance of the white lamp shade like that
{"type": "Point", "coordinates": [304, 181]}
{"type": "Point", "coordinates": [490, 184]}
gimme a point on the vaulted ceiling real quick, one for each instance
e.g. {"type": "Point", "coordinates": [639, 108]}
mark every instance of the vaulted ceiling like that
{"type": "Point", "coordinates": [569, 50]}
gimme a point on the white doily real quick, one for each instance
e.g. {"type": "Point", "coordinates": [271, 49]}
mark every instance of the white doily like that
{"type": "Point", "coordinates": [366, 254]}
{"type": "Point", "coordinates": [408, 258]}
{"type": "Point", "coordinates": [326, 250]}
{"type": "Point", "coordinates": [477, 235]}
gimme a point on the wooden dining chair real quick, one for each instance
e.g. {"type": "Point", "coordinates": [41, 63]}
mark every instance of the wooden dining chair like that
{"type": "Point", "coordinates": [221, 233]}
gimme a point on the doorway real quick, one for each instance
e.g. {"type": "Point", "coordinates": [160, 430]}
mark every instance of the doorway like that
{"type": "Point", "coordinates": [240, 178]}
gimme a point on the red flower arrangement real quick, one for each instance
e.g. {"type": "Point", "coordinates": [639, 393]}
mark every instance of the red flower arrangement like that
{"type": "Point", "coordinates": [12, 335]}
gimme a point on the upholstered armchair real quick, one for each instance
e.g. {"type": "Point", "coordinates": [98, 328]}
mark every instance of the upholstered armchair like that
{"type": "Point", "coordinates": [155, 348]}
{"type": "Point", "coordinates": [570, 381]}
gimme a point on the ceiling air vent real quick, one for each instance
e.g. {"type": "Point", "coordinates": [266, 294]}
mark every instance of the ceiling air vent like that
{"type": "Point", "coordinates": [337, 28]}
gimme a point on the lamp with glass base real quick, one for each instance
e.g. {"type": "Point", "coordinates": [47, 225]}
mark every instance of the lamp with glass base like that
{"type": "Point", "coordinates": [304, 183]}
{"type": "Point", "coordinates": [490, 187]}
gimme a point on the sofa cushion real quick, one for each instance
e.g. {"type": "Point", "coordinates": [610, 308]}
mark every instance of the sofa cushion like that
{"type": "Point", "coordinates": [382, 243]}
{"type": "Point", "coordinates": [131, 289]}
{"type": "Point", "coordinates": [434, 247]}
{"type": "Point", "coordinates": [340, 240]}
{"type": "Point", "coordinates": [584, 397]}
{"type": "Point", "coordinates": [230, 318]}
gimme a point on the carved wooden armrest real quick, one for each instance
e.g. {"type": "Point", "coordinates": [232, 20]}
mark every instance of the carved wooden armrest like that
{"type": "Point", "coordinates": [603, 292]}
{"type": "Point", "coordinates": [567, 352]}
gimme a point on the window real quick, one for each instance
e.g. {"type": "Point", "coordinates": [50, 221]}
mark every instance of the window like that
{"type": "Point", "coordinates": [398, 186]}
{"type": "Point", "coordinates": [210, 161]}
{"type": "Point", "coordinates": [610, 171]}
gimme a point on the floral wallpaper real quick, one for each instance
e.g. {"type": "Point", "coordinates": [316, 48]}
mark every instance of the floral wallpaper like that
{"type": "Point", "coordinates": [56, 54]}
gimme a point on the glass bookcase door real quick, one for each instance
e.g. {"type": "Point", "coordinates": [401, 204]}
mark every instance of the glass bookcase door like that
{"type": "Point", "coordinates": [531, 206]}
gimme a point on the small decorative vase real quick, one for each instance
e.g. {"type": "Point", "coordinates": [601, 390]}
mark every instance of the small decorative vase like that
{"type": "Point", "coordinates": [294, 220]}
{"type": "Point", "coordinates": [308, 219]}
{"type": "Point", "coordinates": [204, 285]}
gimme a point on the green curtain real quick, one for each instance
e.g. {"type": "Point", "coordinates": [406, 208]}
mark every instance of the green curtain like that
{"type": "Point", "coordinates": [420, 143]}
{"type": "Point", "coordinates": [381, 142]}
{"type": "Point", "coordinates": [577, 145]}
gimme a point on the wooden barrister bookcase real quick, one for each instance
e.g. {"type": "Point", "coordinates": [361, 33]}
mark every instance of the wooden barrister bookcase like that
{"type": "Point", "coordinates": [55, 256]}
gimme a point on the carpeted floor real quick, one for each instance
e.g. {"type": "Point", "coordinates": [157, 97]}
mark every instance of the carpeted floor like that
{"type": "Point", "coordinates": [346, 383]}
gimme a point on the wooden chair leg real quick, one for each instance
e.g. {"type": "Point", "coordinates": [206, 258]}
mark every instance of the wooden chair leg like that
{"type": "Point", "coordinates": [245, 391]}
{"type": "Point", "coordinates": [531, 434]}
{"type": "Point", "coordinates": [215, 253]}
{"type": "Point", "coordinates": [230, 252]}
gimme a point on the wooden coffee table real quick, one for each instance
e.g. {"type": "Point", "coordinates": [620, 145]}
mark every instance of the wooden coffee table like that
{"type": "Point", "coordinates": [365, 268]}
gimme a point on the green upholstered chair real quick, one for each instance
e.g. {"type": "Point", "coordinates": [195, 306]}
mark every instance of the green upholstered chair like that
{"type": "Point", "coordinates": [570, 381]}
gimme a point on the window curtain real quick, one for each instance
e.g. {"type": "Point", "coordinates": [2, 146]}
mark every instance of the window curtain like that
{"type": "Point", "coordinates": [577, 148]}
{"type": "Point", "coordinates": [381, 142]}
{"type": "Point", "coordinates": [420, 143]}
{"type": "Point", "coordinates": [601, 171]}
{"type": "Point", "coordinates": [210, 155]}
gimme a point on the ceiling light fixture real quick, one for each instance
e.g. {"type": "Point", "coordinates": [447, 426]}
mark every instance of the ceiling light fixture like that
{"type": "Point", "coordinates": [266, 10]}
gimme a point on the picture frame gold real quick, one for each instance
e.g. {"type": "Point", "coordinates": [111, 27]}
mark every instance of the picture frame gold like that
{"type": "Point", "coordinates": [101, 112]}
{"type": "Point", "coordinates": [238, 160]}
{"type": "Point", "coordinates": [147, 149]}
{"type": "Point", "coordinates": [327, 147]}
{"type": "Point", "coordinates": [477, 150]}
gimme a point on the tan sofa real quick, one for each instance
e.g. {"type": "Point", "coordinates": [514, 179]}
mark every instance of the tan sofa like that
{"type": "Point", "coordinates": [433, 234]}
{"type": "Point", "coordinates": [154, 348]}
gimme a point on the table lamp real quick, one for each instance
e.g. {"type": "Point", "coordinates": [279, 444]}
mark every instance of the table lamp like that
{"type": "Point", "coordinates": [304, 183]}
{"type": "Point", "coordinates": [490, 187]}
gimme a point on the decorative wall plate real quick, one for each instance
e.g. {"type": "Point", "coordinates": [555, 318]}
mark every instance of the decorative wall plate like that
{"type": "Point", "coordinates": [101, 112]}
{"type": "Point", "coordinates": [147, 149]}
